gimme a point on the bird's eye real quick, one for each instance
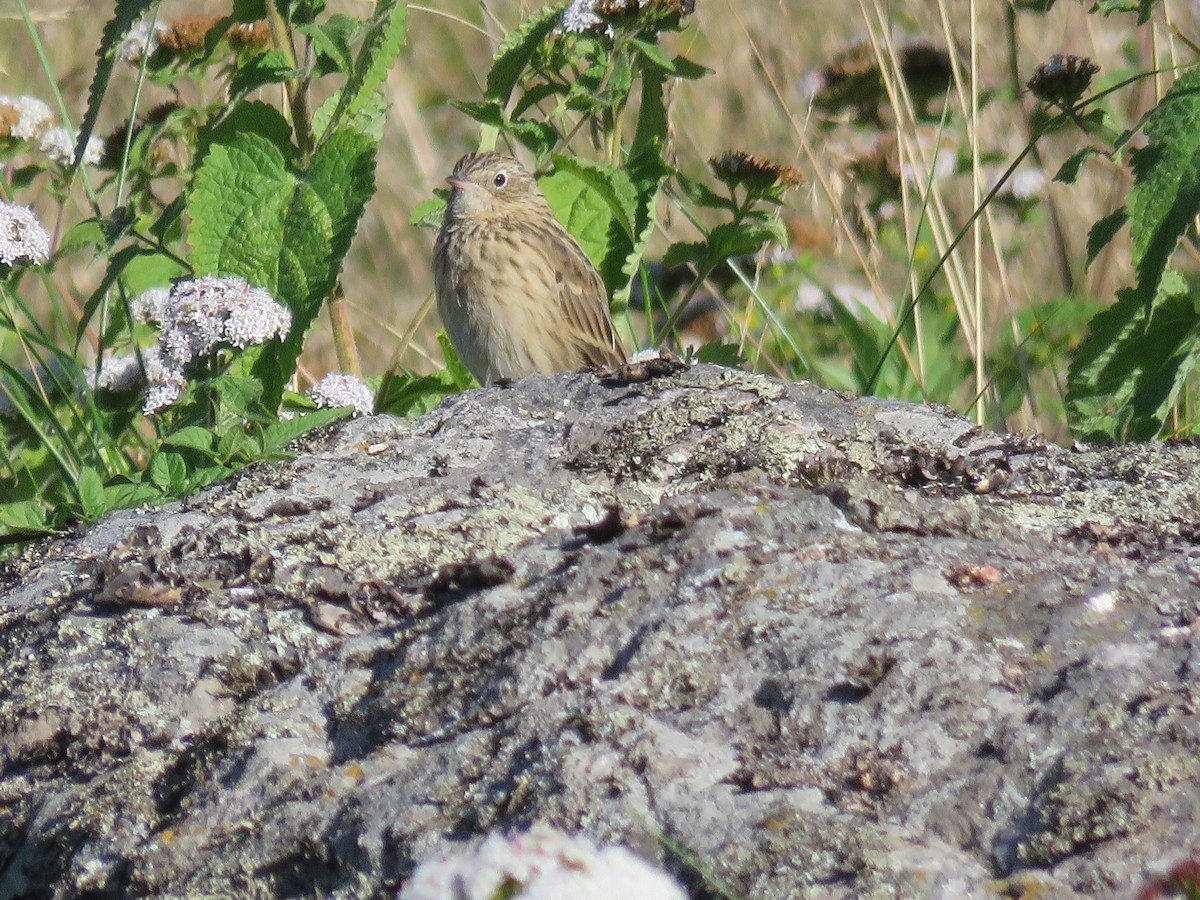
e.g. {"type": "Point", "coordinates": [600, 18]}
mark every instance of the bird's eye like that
{"type": "Point", "coordinates": [500, 180]}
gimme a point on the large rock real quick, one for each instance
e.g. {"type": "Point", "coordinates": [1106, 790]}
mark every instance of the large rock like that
{"type": "Point", "coordinates": [786, 643]}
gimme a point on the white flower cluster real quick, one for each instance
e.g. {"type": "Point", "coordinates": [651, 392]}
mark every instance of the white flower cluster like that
{"type": "Point", "coordinates": [580, 16]}
{"type": "Point", "coordinates": [541, 864]}
{"type": "Point", "coordinates": [343, 390]}
{"type": "Point", "coordinates": [142, 41]}
{"type": "Point", "coordinates": [59, 144]}
{"type": "Point", "coordinates": [29, 119]}
{"type": "Point", "coordinates": [26, 117]}
{"type": "Point", "coordinates": [198, 316]}
{"type": "Point", "coordinates": [22, 237]}
{"type": "Point", "coordinates": [194, 318]}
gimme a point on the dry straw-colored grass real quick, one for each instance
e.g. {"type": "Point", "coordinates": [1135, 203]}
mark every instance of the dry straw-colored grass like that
{"type": "Point", "coordinates": [762, 54]}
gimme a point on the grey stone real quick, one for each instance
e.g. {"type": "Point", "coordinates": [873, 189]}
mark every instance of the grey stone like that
{"type": "Point", "coordinates": [786, 643]}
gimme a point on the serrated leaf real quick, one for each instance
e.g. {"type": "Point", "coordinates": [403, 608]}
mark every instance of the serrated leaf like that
{"type": "Point", "coordinates": [1069, 170]}
{"type": "Point", "coordinates": [721, 354]}
{"type": "Point", "coordinates": [485, 112]}
{"type": "Point", "coordinates": [685, 253]}
{"type": "Point", "coordinates": [287, 231]}
{"type": "Point", "coordinates": [1165, 197]}
{"type": "Point", "coordinates": [518, 48]}
{"type": "Point", "coordinates": [1127, 374]}
{"type": "Point", "coordinates": [249, 117]}
{"type": "Point", "coordinates": [332, 39]}
{"type": "Point", "coordinates": [369, 118]}
{"type": "Point", "coordinates": [384, 35]}
{"type": "Point", "coordinates": [125, 16]}
{"type": "Point", "coordinates": [454, 365]}
{"type": "Point", "coordinates": [540, 137]}
{"type": "Point", "coordinates": [1102, 232]}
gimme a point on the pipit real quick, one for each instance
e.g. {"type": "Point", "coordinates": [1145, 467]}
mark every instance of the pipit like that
{"type": "Point", "coordinates": [516, 292]}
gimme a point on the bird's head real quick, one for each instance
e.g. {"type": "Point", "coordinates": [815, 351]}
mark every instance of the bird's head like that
{"type": "Point", "coordinates": [490, 185]}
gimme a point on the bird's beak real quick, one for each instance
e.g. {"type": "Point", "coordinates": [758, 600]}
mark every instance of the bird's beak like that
{"type": "Point", "coordinates": [457, 183]}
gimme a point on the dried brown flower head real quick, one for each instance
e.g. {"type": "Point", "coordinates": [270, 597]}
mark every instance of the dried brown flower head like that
{"type": "Point", "coordinates": [114, 141]}
{"type": "Point", "coordinates": [187, 34]}
{"type": "Point", "coordinates": [736, 167]}
{"type": "Point", "coordinates": [1062, 79]}
{"type": "Point", "coordinates": [9, 117]}
{"type": "Point", "coordinates": [926, 68]}
{"type": "Point", "coordinates": [853, 80]}
{"type": "Point", "coordinates": [251, 35]}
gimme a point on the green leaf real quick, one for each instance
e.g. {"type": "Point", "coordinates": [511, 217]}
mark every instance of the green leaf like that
{"type": "Point", "coordinates": [254, 215]}
{"type": "Point", "coordinates": [126, 495]}
{"type": "Point", "coordinates": [540, 137]}
{"type": "Point", "coordinates": [1144, 8]}
{"type": "Point", "coordinates": [88, 234]}
{"type": "Point", "coordinates": [458, 372]}
{"type": "Point", "coordinates": [246, 118]}
{"type": "Point", "coordinates": [384, 36]}
{"type": "Point", "coordinates": [612, 185]}
{"type": "Point", "coordinates": [1127, 375]}
{"type": "Point", "coordinates": [1102, 233]}
{"type": "Point", "coordinates": [1165, 197]}
{"type": "Point", "coordinates": [167, 471]}
{"type": "Point", "coordinates": [685, 253]}
{"type": "Point", "coordinates": [193, 437]}
{"type": "Point", "coordinates": [90, 487]}
{"type": "Point", "coordinates": [332, 40]}
{"type": "Point", "coordinates": [239, 397]}
{"type": "Point", "coordinates": [404, 393]}
{"type": "Point", "coordinates": [721, 354]}
{"type": "Point", "coordinates": [258, 71]}
{"type": "Point", "coordinates": [1069, 170]}
{"type": "Point", "coordinates": [517, 50]}
{"type": "Point", "coordinates": [428, 213]}
{"type": "Point", "coordinates": [369, 117]}
{"type": "Point", "coordinates": [23, 519]}
{"type": "Point", "coordinates": [283, 432]}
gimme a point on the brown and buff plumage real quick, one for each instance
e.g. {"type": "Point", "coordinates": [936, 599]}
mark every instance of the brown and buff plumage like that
{"type": "Point", "coordinates": [516, 292]}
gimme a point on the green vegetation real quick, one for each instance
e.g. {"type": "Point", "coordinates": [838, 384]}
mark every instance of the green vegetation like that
{"type": "Point", "coordinates": [159, 311]}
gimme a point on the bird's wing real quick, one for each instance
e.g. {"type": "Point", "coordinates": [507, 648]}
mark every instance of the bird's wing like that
{"type": "Point", "coordinates": [582, 299]}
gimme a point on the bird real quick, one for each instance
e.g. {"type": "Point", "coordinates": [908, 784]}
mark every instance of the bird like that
{"type": "Point", "coordinates": [516, 292]}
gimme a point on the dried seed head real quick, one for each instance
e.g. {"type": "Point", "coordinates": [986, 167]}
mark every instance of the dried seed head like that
{"type": "Point", "coordinates": [251, 35]}
{"type": "Point", "coordinates": [187, 34]}
{"type": "Point", "coordinates": [1062, 79]}
{"type": "Point", "coordinates": [736, 167]}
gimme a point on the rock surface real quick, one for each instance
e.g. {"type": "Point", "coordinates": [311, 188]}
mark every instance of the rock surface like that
{"type": "Point", "coordinates": [787, 644]}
